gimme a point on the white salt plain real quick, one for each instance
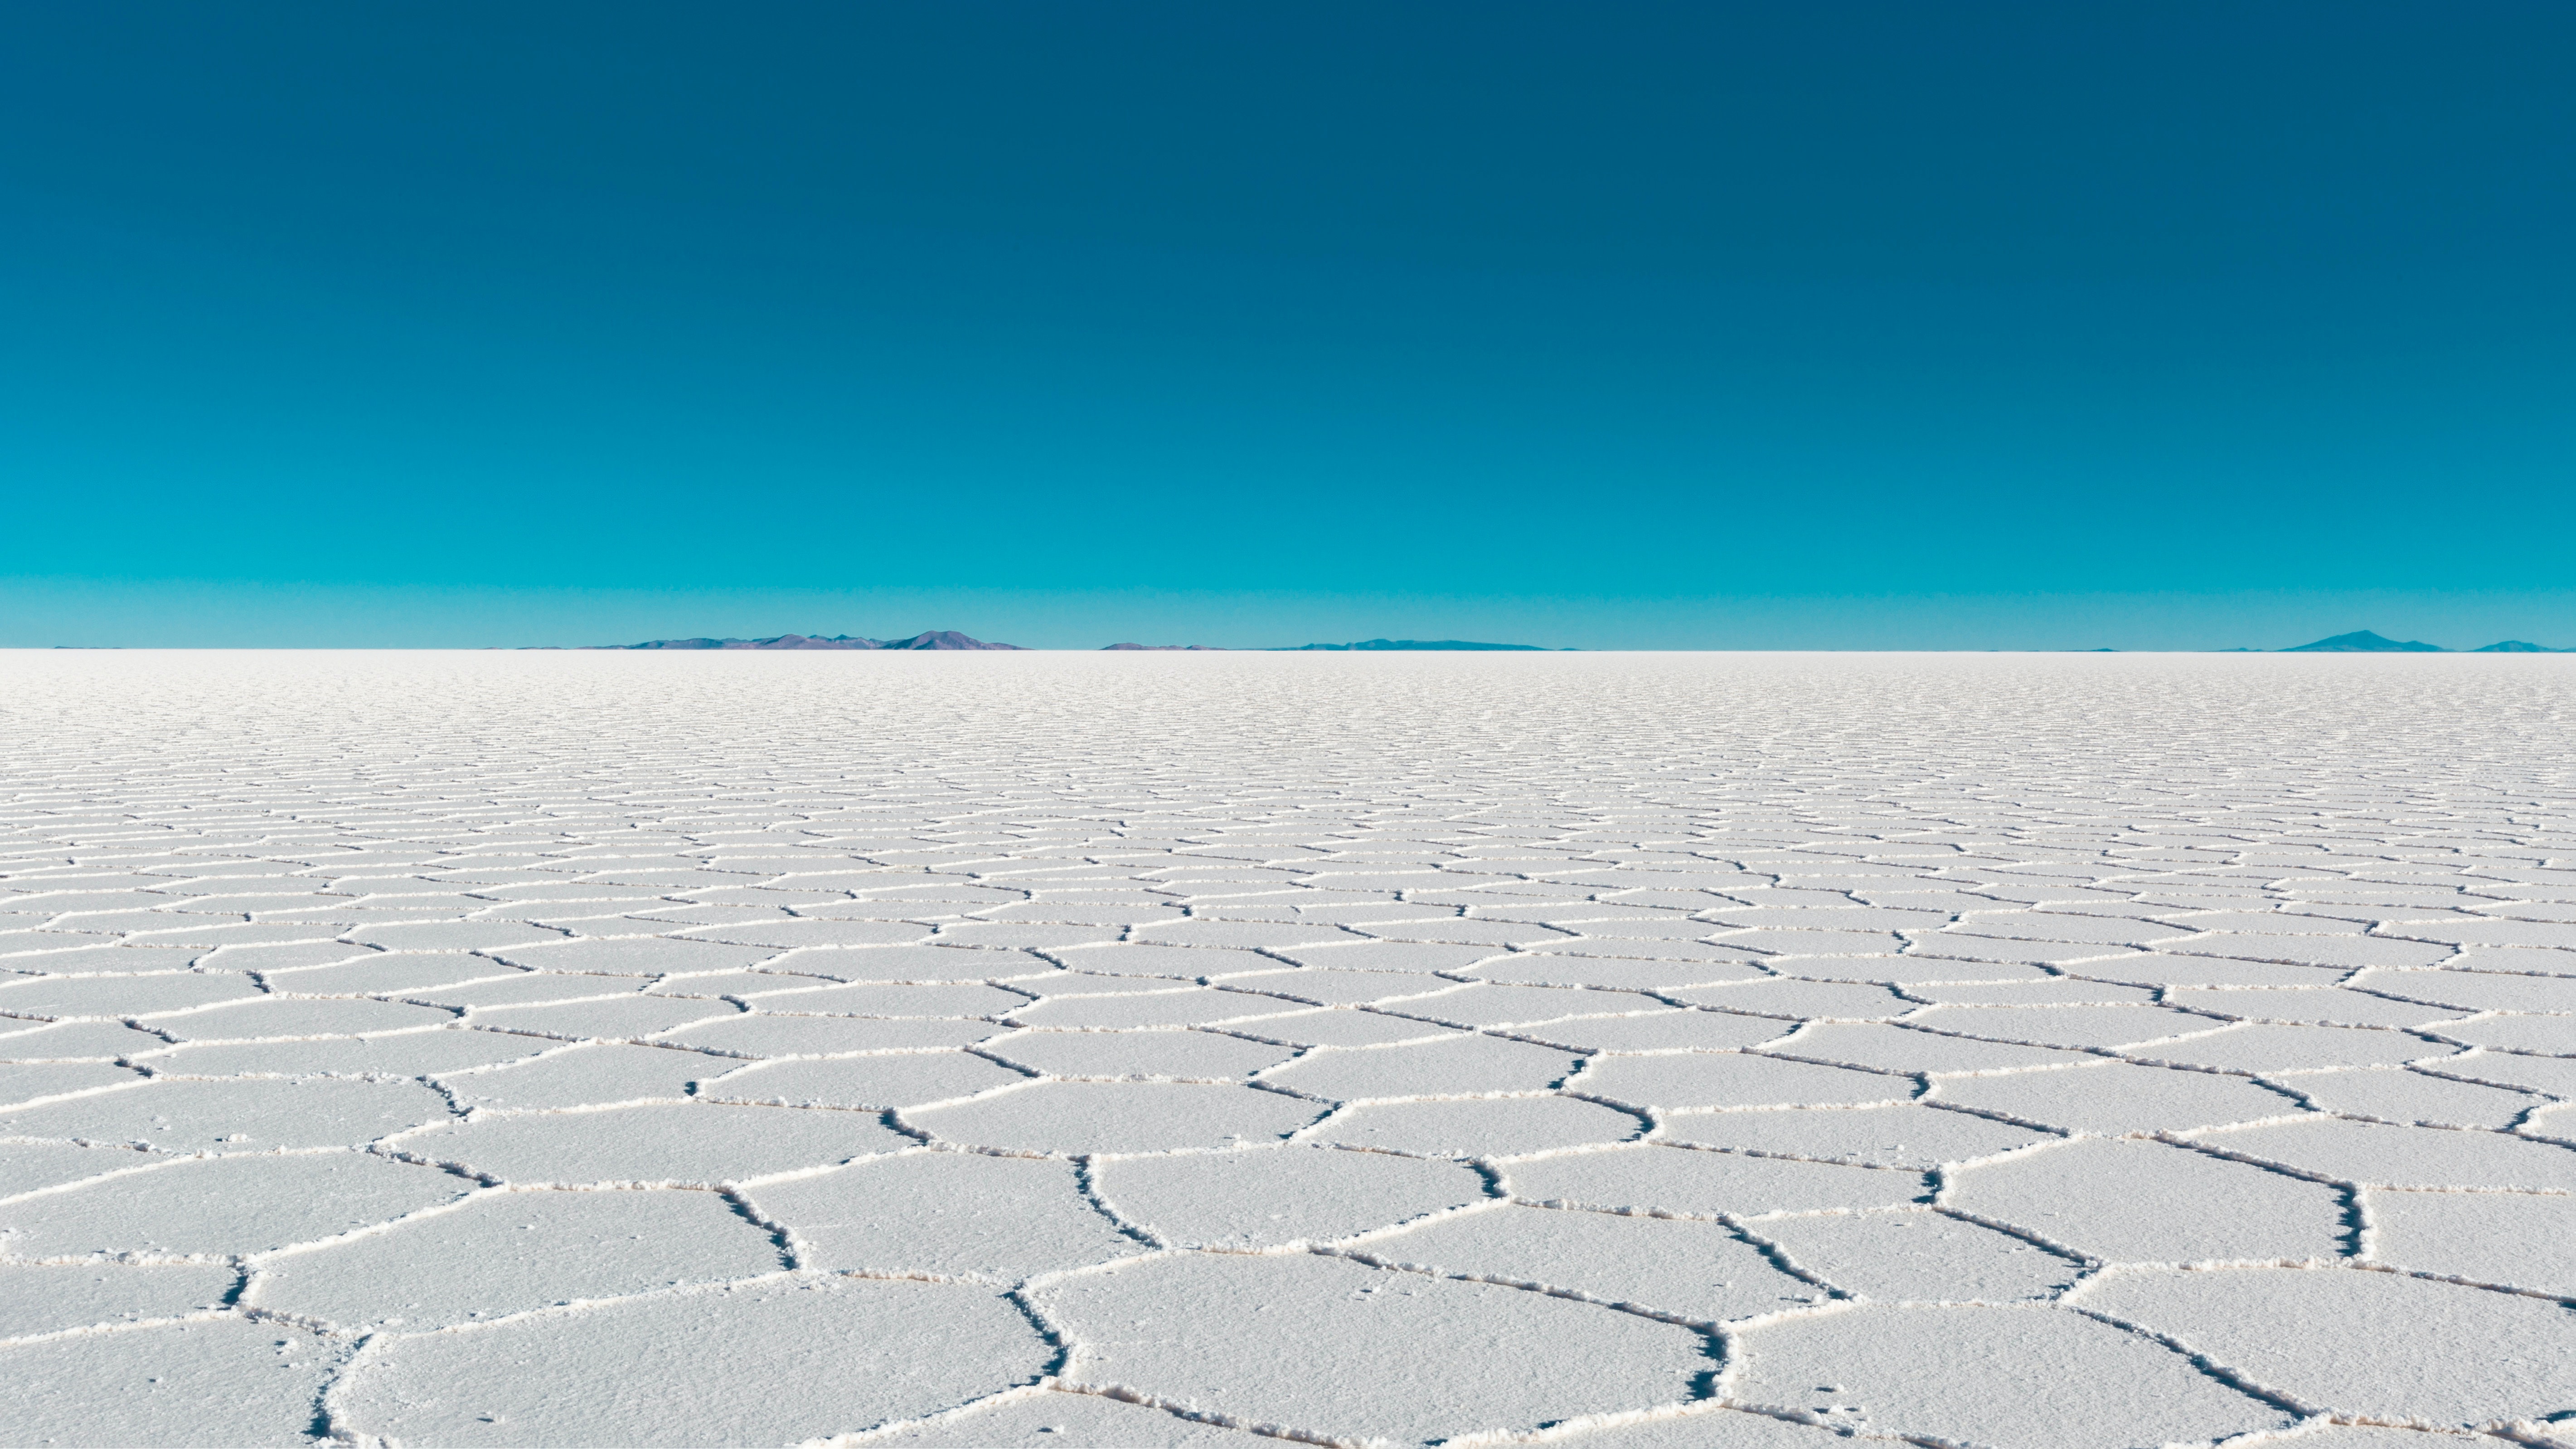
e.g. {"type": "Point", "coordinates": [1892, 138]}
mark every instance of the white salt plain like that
{"type": "Point", "coordinates": [1617, 1050]}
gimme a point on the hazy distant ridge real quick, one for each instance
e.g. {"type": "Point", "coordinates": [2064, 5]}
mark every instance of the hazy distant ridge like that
{"type": "Point", "coordinates": [2359, 641]}
{"type": "Point", "coordinates": [933, 639]}
{"type": "Point", "coordinates": [2363, 641]}
{"type": "Point", "coordinates": [1414, 644]}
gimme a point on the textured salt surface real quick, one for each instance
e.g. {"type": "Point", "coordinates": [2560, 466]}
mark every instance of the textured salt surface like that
{"type": "Point", "coordinates": [1633, 1051]}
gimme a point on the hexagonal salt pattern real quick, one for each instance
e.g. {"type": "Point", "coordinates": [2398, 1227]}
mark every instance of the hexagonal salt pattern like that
{"type": "Point", "coordinates": [1649, 1052]}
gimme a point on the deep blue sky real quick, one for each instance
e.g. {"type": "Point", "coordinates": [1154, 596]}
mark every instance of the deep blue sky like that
{"type": "Point", "coordinates": [2020, 325]}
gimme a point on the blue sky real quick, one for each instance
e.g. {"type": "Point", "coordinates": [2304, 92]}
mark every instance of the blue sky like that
{"type": "Point", "coordinates": [1690, 326]}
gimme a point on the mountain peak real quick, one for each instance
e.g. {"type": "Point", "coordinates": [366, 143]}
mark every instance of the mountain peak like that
{"type": "Point", "coordinates": [940, 639]}
{"type": "Point", "coordinates": [2363, 641]}
{"type": "Point", "coordinates": [2517, 646]}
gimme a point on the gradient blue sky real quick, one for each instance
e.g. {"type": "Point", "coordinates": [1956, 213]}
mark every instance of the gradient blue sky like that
{"type": "Point", "coordinates": [2034, 325]}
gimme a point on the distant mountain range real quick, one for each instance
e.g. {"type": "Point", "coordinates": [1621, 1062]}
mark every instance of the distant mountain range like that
{"type": "Point", "coordinates": [934, 639]}
{"type": "Point", "coordinates": [1414, 644]}
{"type": "Point", "coordinates": [2362, 641]}
{"type": "Point", "coordinates": [951, 639]}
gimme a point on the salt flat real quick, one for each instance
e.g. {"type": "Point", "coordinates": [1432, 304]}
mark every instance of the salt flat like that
{"type": "Point", "coordinates": [1619, 1050]}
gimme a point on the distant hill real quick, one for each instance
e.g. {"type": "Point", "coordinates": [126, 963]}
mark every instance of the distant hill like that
{"type": "Point", "coordinates": [1418, 644]}
{"type": "Point", "coordinates": [2365, 642]}
{"type": "Point", "coordinates": [941, 639]}
{"type": "Point", "coordinates": [1156, 648]}
{"type": "Point", "coordinates": [934, 639]}
{"type": "Point", "coordinates": [2362, 641]}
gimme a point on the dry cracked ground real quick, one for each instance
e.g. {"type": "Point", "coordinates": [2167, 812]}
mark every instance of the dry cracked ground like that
{"type": "Point", "coordinates": [1631, 1051]}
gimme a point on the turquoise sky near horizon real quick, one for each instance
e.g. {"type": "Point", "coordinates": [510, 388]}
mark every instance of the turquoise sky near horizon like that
{"type": "Point", "coordinates": [2172, 325]}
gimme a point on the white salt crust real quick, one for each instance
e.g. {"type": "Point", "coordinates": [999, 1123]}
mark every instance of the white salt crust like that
{"type": "Point", "coordinates": [1633, 1051]}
